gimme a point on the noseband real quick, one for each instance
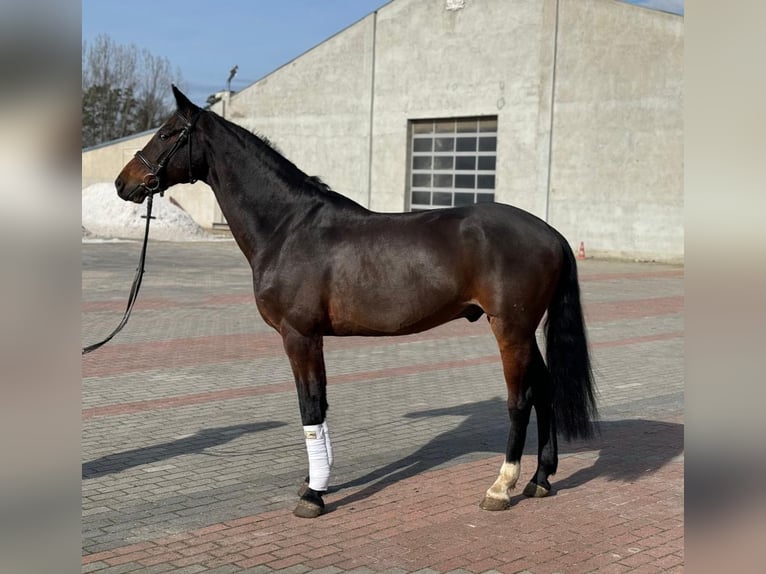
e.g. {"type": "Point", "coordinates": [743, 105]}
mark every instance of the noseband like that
{"type": "Point", "coordinates": [153, 180]}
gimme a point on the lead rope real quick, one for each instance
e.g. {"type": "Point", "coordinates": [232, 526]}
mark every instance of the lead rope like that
{"type": "Point", "coordinates": [136, 284]}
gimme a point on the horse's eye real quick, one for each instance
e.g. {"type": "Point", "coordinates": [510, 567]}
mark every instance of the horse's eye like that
{"type": "Point", "coordinates": [163, 137]}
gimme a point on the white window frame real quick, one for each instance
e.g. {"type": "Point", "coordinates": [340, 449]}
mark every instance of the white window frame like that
{"type": "Point", "coordinates": [434, 187]}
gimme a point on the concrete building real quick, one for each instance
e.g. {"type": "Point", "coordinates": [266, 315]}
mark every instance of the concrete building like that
{"type": "Point", "coordinates": [570, 109]}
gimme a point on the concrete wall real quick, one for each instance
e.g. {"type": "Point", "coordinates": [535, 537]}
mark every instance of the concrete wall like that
{"type": "Point", "coordinates": [316, 109]}
{"type": "Point", "coordinates": [588, 95]}
{"type": "Point", "coordinates": [617, 165]}
{"type": "Point", "coordinates": [482, 59]}
{"type": "Point", "coordinates": [103, 163]}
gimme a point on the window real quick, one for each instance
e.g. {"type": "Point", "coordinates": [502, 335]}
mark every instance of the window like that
{"type": "Point", "coordinates": [452, 162]}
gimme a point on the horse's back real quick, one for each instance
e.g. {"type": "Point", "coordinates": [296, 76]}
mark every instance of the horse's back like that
{"type": "Point", "coordinates": [396, 273]}
{"type": "Point", "coordinates": [508, 239]}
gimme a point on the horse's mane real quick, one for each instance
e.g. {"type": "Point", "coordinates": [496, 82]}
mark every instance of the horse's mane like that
{"type": "Point", "coordinates": [315, 181]}
{"type": "Point", "coordinates": [291, 173]}
{"type": "Point", "coordinates": [312, 180]}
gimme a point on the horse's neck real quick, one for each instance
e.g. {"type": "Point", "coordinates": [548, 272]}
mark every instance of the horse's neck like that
{"type": "Point", "coordinates": [253, 197]}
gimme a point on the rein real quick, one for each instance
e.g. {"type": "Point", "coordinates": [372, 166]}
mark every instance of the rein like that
{"type": "Point", "coordinates": [136, 283]}
{"type": "Point", "coordinates": [152, 182]}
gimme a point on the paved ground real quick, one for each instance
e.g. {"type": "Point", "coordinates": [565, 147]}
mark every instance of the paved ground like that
{"type": "Point", "coordinates": [193, 449]}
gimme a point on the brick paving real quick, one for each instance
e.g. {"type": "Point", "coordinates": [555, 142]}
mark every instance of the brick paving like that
{"type": "Point", "coordinates": [193, 451]}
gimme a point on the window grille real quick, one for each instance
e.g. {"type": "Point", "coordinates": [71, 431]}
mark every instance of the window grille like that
{"type": "Point", "coordinates": [452, 162]}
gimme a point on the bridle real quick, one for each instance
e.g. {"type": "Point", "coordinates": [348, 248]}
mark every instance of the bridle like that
{"type": "Point", "coordinates": [153, 180]}
{"type": "Point", "coordinates": [153, 184]}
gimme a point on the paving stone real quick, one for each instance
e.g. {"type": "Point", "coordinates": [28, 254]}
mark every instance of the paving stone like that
{"type": "Point", "coordinates": [190, 422]}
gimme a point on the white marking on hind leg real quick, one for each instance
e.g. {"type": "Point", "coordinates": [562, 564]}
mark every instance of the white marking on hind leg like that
{"type": "Point", "coordinates": [506, 480]}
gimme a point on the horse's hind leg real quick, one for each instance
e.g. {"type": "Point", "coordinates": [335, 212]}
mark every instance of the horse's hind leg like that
{"type": "Point", "coordinates": [515, 352]}
{"type": "Point", "coordinates": [307, 362]}
{"type": "Point", "coordinates": [547, 449]}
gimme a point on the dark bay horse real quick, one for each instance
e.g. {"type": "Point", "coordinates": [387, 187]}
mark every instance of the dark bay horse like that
{"type": "Point", "coordinates": [324, 265]}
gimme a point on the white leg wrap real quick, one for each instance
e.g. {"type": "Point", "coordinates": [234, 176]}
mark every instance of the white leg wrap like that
{"type": "Point", "coordinates": [327, 443]}
{"type": "Point", "coordinates": [320, 455]}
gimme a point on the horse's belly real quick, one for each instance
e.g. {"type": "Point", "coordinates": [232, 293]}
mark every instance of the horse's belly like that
{"type": "Point", "coordinates": [402, 286]}
{"type": "Point", "coordinates": [385, 318]}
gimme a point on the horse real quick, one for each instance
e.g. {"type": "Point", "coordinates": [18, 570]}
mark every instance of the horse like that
{"type": "Point", "coordinates": [323, 265]}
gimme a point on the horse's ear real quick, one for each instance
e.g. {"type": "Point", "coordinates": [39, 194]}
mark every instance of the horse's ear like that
{"type": "Point", "coordinates": [182, 101]}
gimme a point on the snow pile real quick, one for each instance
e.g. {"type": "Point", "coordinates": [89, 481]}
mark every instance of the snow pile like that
{"type": "Point", "coordinates": [105, 215]}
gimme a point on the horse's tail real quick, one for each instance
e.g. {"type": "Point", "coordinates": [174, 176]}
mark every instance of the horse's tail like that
{"type": "Point", "coordinates": [574, 402]}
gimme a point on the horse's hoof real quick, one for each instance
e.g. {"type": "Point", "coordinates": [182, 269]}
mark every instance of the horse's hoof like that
{"type": "Point", "coordinates": [308, 509]}
{"type": "Point", "coordinates": [533, 490]}
{"type": "Point", "coordinates": [310, 505]}
{"type": "Point", "coordinates": [493, 504]}
{"type": "Point", "coordinates": [303, 489]}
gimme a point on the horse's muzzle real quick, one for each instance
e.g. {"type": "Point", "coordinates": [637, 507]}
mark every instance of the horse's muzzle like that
{"type": "Point", "coordinates": [136, 193]}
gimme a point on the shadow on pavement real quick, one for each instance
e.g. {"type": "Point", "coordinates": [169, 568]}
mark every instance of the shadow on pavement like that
{"type": "Point", "coordinates": [627, 449]}
{"type": "Point", "coordinates": [195, 443]}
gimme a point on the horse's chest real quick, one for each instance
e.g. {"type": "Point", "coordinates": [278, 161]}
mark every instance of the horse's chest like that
{"type": "Point", "coordinates": [292, 297]}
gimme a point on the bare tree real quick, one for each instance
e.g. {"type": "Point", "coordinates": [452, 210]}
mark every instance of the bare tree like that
{"type": "Point", "coordinates": [154, 78]}
{"type": "Point", "coordinates": [124, 90]}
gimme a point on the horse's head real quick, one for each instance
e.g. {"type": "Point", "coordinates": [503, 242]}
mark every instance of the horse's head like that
{"type": "Point", "coordinates": [161, 164]}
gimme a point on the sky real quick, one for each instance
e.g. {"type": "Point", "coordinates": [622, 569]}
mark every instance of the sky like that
{"type": "Point", "coordinates": [206, 39]}
{"type": "Point", "coordinates": [672, 6]}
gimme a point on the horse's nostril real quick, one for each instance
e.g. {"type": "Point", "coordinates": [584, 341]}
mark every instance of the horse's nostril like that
{"type": "Point", "coordinates": [119, 184]}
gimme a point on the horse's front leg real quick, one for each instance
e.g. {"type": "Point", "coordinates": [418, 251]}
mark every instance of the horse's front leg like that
{"type": "Point", "coordinates": [307, 361]}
